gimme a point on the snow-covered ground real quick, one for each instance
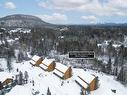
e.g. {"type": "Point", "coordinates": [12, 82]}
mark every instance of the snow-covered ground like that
{"type": "Point", "coordinates": [105, 59]}
{"type": "Point", "coordinates": [3, 63]}
{"type": "Point", "coordinates": [20, 30]}
{"type": "Point", "coordinates": [44, 80]}
{"type": "Point", "coordinates": [107, 84]}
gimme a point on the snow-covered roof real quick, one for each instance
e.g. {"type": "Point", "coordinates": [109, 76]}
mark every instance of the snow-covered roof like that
{"type": "Point", "coordinates": [35, 58]}
{"type": "Point", "coordinates": [81, 82]}
{"type": "Point", "coordinates": [116, 45]}
{"type": "Point", "coordinates": [61, 67]}
{"type": "Point", "coordinates": [5, 75]}
{"type": "Point", "coordinates": [87, 77]}
{"type": "Point", "coordinates": [47, 62]}
{"type": "Point", "coordinates": [43, 66]}
{"type": "Point", "coordinates": [32, 62]}
{"type": "Point", "coordinates": [59, 73]}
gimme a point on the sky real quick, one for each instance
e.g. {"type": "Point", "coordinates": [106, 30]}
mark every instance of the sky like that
{"type": "Point", "coordinates": [69, 11]}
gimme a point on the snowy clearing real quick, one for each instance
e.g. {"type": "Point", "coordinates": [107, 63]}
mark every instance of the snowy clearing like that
{"type": "Point", "coordinates": [44, 80]}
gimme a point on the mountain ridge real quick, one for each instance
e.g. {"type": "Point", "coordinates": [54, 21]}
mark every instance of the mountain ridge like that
{"type": "Point", "coordinates": [22, 21]}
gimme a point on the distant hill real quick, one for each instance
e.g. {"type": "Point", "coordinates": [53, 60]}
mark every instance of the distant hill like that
{"type": "Point", "coordinates": [23, 21]}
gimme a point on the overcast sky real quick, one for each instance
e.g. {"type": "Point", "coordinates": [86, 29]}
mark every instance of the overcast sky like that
{"type": "Point", "coordinates": [69, 11]}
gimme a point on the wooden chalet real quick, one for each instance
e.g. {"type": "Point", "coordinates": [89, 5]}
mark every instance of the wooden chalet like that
{"type": "Point", "coordinates": [62, 71]}
{"type": "Point", "coordinates": [86, 81]}
{"type": "Point", "coordinates": [48, 64]}
{"type": "Point", "coordinates": [36, 60]}
{"type": "Point", "coordinates": [5, 79]}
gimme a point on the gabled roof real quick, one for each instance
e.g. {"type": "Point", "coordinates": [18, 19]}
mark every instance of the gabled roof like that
{"type": "Point", "coordinates": [84, 78]}
{"type": "Point", "coordinates": [35, 58]}
{"type": "Point", "coordinates": [81, 82]}
{"type": "Point", "coordinates": [5, 75]}
{"type": "Point", "coordinates": [61, 67]}
{"type": "Point", "coordinates": [43, 66]}
{"type": "Point", "coordinates": [59, 73]}
{"type": "Point", "coordinates": [32, 62]}
{"type": "Point", "coordinates": [47, 62]}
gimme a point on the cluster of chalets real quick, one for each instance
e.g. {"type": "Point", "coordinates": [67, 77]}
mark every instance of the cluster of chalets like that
{"type": "Point", "coordinates": [86, 81]}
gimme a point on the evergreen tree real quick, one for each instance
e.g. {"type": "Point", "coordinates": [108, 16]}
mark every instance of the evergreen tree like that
{"type": "Point", "coordinates": [20, 78]}
{"type": "Point", "coordinates": [26, 76]}
{"type": "Point", "coordinates": [81, 93]}
{"type": "Point", "coordinates": [33, 82]}
{"type": "Point", "coordinates": [121, 54]}
{"type": "Point", "coordinates": [96, 83]}
{"type": "Point", "coordinates": [9, 65]}
{"type": "Point", "coordinates": [121, 75]}
{"type": "Point", "coordinates": [115, 71]}
{"type": "Point", "coordinates": [103, 68]}
{"type": "Point", "coordinates": [109, 66]}
{"type": "Point", "coordinates": [48, 92]}
{"type": "Point", "coordinates": [1, 86]}
{"type": "Point", "coordinates": [17, 79]}
{"type": "Point", "coordinates": [9, 54]}
{"type": "Point", "coordinates": [20, 56]}
{"type": "Point", "coordinates": [110, 49]}
{"type": "Point", "coordinates": [116, 60]}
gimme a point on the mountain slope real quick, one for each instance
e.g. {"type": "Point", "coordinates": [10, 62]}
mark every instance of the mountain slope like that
{"type": "Point", "coordinates": [20, 20]}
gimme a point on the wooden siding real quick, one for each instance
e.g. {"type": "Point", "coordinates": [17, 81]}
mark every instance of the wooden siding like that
{"type": "Point", "coordinates": [51, 67]}
{"type": "Point", "coordinates": [68, 73]}
{"type": "Point", "coordinates": [7, 81]}
{"type": "Point", "coordinates": [38, 62]}
{"type": "Point", "coordinates": [92, 85]}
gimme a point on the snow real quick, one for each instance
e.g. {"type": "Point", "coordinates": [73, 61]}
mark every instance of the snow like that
{"type": "Point", "coordinates": [107, 83]}
{"type": "Point", "coordinates": [86, 76]}
{"type": "Point", "coordinates": [125, 41]}
{"type": "Point", "coordinates": [61, 67]}
{"type": "Point", "coordinates": [20, 30]}
{"type": "Point", "coordinates": [104, 44]}
{"type": "Point", "coordinates": [99, 45]}
{"type": "Point", "coordinates": [61, 37]}
{"type": "Point", "coordinates": [82, 83]}
{"type": "Point", "coordinates": [44, 80]}
{"type": "Point", "coordinates": [105, 59]}
{"type": "Point", "coordinates": [2, 42]}
{"type": "Point", "coordinates": [19, 90]}
{"type": "Point", "coordinates": [47, 62]}
{"type": "Point", "coordinates": [35, 58]}
{"type": "Point", "coordinates": [59, 73]}
{"type": "Point", "coordinates": [32, 62]}
{"type": "Point", "coordinates": [3, 63]}
{"type": "Point", "coordinates": [43, 66]}
{"type": "Point", "coordinates": [4, 76]}
{"type": "Point", "coordinates": [54, 84]}
{"type": "Point", "coordinates": [10, 40]}
{"type": "Point", "coordinates": [116, 45]}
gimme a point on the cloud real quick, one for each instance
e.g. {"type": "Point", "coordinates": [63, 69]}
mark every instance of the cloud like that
{"type": "Point", "coordinates": [9, 5]}
{"type": "Point", "coordinates": [43, 4]}
{"type": "Point", "coordinates": [55, 18]}
{"type": "Point", "coordinates": [62, 4]}
{"type": "Point", "coordinates": [94, 7]}
{"type": "Point", "coordinates": [89, 19]}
